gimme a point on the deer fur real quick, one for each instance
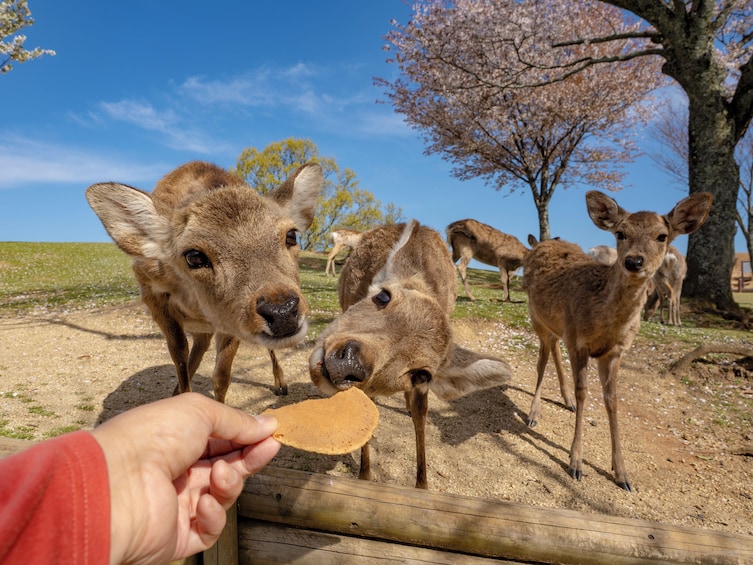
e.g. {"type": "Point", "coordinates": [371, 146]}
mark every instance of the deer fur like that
{"type": "Point", "coordinates": [397, 290]}
{"type": "Point", "coordinates": [470, 239]}
{"type": "Point", "coordinates": [595, 308]}
{"type": "Point", "coordinates": [212, 256]}
{"type": "Point", "coordinates": [667, 286]}
{"type": "Point", "coordinates": [340, 238]}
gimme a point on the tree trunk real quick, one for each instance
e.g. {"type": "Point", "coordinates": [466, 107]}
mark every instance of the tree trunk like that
{"type": "Point", "coordinates": [712, 168]}
{"type": "Point", "coordinates": [543, 209]}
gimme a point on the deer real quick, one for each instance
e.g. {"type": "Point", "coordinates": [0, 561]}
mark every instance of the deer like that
{"type": "Point", "coordinates": [340, 238]}
{"type": "Point", "coordinates": [595, 308]}
{"type": "Point", "coordinates": [397, 290]}
{"type": "Point", "coordinates": [214, 257]}
{"type": "Point", "coordinates": [470, 239]}
{"type": "Point", "coordinates": [667, 286]}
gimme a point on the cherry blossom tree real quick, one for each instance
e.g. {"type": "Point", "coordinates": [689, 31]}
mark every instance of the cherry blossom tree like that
{"type": "Point", "coordinates": [703, 45]}
{"type": "Point", "coordinates": [14, 16]}
{"type": "Point", "coordinates": [454, 59]}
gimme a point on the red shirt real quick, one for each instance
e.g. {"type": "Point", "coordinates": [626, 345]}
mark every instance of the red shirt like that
{"type": "Point", "coordinates": [55, 503]}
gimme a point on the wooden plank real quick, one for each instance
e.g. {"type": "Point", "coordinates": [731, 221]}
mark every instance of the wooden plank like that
{"type": "Point", "coordinates": [475, 526]}
{"type": "Point", "coordinates": [263, 543]}
{"type": "Point", "coordinates": [225, 551]}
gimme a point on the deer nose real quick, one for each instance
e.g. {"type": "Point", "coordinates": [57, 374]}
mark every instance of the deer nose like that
{"type": "Point", "coordinates": [633, 263]}
{"type": "Point", "coordinates": [344, 364]}
{"type": "Point", "coordinates": [282, 317]}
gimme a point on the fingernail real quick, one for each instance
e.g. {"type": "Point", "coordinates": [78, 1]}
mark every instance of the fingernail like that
{"type": "Point", "coordinates": [268, 421]}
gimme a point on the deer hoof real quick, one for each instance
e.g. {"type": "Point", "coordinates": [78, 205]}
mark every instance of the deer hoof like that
{"type": "Point", "coordinates": [531, 422]}
{"type": "Point", "coordinates": [282, 391]}
{"type": "Point", "coordinates": [576, 474]}
{"type": "Point", "coordinates": [625, 486]}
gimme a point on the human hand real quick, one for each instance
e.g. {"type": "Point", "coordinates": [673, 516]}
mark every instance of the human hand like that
{"type": "Point", "coordinates": [175, 466]}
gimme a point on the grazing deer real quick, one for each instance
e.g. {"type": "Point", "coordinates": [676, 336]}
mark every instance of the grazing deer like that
{"type": "Point", "coordinates": [340, 238]}
{"type": "Point", "coordinates": [397, 290]}
{"type": "Point", "coordinates": [667, 286]}
{"type": "Point", "coordinates": [213, 256]}
{"type": "Point", "coordinates": [595, 308]}
{"type": "Point", "coordinates": [470, 239]}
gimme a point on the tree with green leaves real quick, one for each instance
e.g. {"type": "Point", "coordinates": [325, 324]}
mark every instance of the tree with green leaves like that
{"type": "Point", "coordinates": [14, 16]}
{"type": "Point", "coordinates": [343, 203]}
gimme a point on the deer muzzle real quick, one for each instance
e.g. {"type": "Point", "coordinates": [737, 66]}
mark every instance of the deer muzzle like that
{"type": "Point", "coordinates": [344, 366]}
{"type": "Point", "coordinates": [634, 263]}
{"type": "Point", "coordinates": [282, 318]}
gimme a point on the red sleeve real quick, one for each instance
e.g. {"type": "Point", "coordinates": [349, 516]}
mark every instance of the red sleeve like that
{"type": "Point", "coordinates": [55, 501]}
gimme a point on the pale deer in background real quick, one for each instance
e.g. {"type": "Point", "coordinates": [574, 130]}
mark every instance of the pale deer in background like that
{"type": "Point", "coordinates": [397, 290]}
{"type": "Point", "coordinates": [595, 308]}
{"type": "Point", "coordinates": [212, 256]}
{"type": "Point", "coordinates": [470, 239]}
{"type": "Point", "coordinates": [668, 286]}
{"type": "Point", "coordinates": [604, 254]}
{"type": "Point", "coordinates": [340, 238]}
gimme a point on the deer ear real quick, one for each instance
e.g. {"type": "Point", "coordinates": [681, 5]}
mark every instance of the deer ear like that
{"type": "Point", "coordinates": [690, 213]}
{"type": "Point", "coordinates": [129, 216]}
{"type": "Point", "coordinates": [464, 371]}
{"type": "Point", "coordinates": [604, 211]}
{"type": "Point", "coordinates": [299, 193]}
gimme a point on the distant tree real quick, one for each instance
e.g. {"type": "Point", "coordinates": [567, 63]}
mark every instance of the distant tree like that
{"type": "Point", "coordinates": [14, 16]}
{"type": "Point", "coordinates": [671, 131]}
{"type": "Point", "coordinates": [454, 55]}
{"type": "Point", "coordinates": [342, 204]}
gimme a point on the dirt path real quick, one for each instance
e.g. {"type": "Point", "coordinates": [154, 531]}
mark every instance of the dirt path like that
{"type": "Point", "coordinates": [689, 462]}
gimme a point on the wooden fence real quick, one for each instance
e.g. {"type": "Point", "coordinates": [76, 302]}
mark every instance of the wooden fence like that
{"type": "Point", "coordinates": [286, 516]}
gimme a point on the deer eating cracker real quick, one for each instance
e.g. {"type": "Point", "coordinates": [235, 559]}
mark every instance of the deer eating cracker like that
{"type": "Point", "coordinates": [315, 425]}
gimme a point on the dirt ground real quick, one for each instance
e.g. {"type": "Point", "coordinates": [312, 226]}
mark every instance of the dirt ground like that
{"type": "Point", "coordinates": [688, 462]}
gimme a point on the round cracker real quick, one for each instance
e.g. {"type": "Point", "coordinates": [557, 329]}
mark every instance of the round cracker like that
{"type": "Point", "coordinates": [333, 426]}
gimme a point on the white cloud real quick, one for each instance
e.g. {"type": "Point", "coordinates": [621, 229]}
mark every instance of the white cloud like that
{"type": "Point", "coordinates": [168, 122]}
{"type": "Point", "coordinates": [28, 161]}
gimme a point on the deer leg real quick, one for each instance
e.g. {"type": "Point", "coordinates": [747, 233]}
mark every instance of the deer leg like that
{"type": "Point", "coordinates": [554, 347]}
{"type": "Point", "coordinates": [579, 363]}
{"type": "Point", "coordinates": [177, 343]}
{"type": "Point", "coordinates": [505, 278]}
{"type": "Point", "coordinates": [331, 259]}
{"type": "Point", "coordinates": [608, 367]}
{"type": "Point", "coordinates": [281, 387]}
{"type": "Point", "coordinates": [419, 411]}
{"type": "Point", "coordinates": [652, 303]}
{"type": "Point", "coordinates": [365, 471]}
{"type": "Point", "coordinates": [198, 349]}
{"type": "Point", "coordinates": [227, 346]}
{"type": "Point", "coordinates": [535, 411]}
{"type": "Point", "coordinates": [462, 267]}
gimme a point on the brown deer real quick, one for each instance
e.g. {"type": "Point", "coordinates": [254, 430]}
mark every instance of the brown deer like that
{"type": "Point", "coordinates": [470, 239]}
{"type": "Point", "coordinates": [667, 286]}
{"type": "Point", "coordinates": [397, 290]}
{"type": "Point", "coordinates": [212, 256]}
{"type": "Point", "coordinates": [340, 238]}
{"type": "Point", "coordinates": [595, 308]}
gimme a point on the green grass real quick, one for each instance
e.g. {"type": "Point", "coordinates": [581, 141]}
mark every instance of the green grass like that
{"type": "Point", "coordinates": [63, 275]}
{"type": "Point", "coordinates": [76, 276]}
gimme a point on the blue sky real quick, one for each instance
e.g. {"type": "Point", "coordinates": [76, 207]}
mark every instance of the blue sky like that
{"type": "Point", "coordinates": [140, 87]}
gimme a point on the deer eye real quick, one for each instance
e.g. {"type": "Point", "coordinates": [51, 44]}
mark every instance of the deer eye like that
{"type": "Point", "coordinates": [662, 238]}
{"type": "Point", "coordinates": [291, 238]}
{"type": "Point", "coordinates": [382, 298]}
{"type": "Point", "coordinates": [197, 260]}
{"type": "Point", "coordinates": [619, 235]}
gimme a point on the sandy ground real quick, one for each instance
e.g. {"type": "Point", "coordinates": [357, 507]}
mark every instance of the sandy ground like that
{"type": "Point", "coordinates": [690, 462]}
